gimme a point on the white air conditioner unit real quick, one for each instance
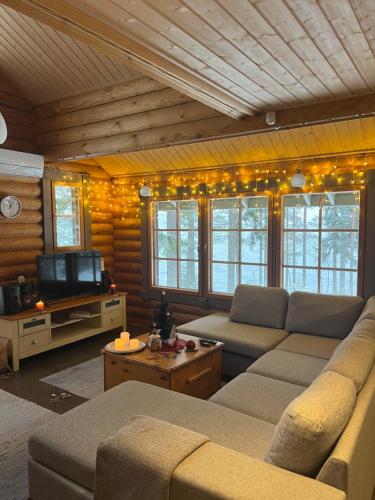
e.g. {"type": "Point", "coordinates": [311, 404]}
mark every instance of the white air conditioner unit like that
{"type": "Point", "coordinates": [21, 164]}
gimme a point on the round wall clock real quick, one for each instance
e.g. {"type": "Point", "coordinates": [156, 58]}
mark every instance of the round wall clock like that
{"type": "Point", "coordinates": [10, 207]}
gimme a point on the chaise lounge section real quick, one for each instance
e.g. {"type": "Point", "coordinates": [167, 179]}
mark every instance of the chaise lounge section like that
{"type": "Point", "coordinates": [297, 424]}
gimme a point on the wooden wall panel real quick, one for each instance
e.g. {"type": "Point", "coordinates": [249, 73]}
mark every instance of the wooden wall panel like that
{"type": "Point", "coordinates": [21, 239]}
{"type": "Point", "coordinates": [17, 113]}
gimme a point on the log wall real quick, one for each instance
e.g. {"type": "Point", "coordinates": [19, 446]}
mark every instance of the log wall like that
{"type": "Point", "coordinates": [128, 265]}
{"type": "Point", "coordinates": [20, 122]}
{"type": "Point", "coordinates": [21, 239]}
{"type": "Point", "coordinates": [137, 114]}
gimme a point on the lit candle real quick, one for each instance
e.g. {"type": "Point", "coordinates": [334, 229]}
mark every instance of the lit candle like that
{"type": "Point", "coordinates": [125, 337]}
{"type": "Point", "coordinates": [39, 306]}
{"type": "Point", "coordinates": [119, 345]}
{"type": "Point", "coordinates": [133, 344]}
{"type": "Point", "coordinates": [112, 287]}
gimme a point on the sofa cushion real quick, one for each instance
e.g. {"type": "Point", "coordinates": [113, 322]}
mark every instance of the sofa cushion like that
{"type": "Point", "coordinates": [311, 345]}
{"type": "Point", "coordinates": [324, 315]}
{"type": "Point", "coordinates": [368, 312]}
{"type": "Point", "coordinates": [238, 338]}
{"type": "Point", "coordinates": [252, 305]}
{"type": "Point", "coordinates": [69, 446]}
{"type": "Point", "coordinates": [261, 397]}
{"type": "Point", "coordinates": [312, 423]}
{"type": "Point", "coordinates": [353, 359]}
{"type": "Point", "coordinates": [288, 366]}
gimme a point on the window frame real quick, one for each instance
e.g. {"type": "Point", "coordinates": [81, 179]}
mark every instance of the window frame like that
{"type": "Point", "coordinates": [67, 248]}
{"type": "Point", "coordinates": [279, 241]}
{"type": "Point", "coordinates": [150, 249]}
{"type": "Point", "coordinates": [204, 298]}
{"type": "Point", "coordinates": [208, 240]}
{"type": "Point", "coordinates": [54, 175]}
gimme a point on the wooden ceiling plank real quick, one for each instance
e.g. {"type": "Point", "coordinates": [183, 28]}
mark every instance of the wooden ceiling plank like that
{"type": "Point", "coordinates": [75, 22]}
{"type": "Point", "coordinates": [222, 33]}
{"type": "Point", "coordinates": [199, 37]}
{"type": "Point", "coordinates": [343, 20]}
{"type": "Point", "coordinates": [287, 26]}
{"type": "Point", "coordinates": [141, 21]}
{"type": "Point", "coordinates": [256, 24]}
{"type": "Point", "coordinates": [311, 16]}
{"type": "Point", "coordinates": [365, 13]}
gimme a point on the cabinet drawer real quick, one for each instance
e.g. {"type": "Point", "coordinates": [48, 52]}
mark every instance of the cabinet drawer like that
{"type": "Point", "coordinates": [34, 324]}
{"type": "Point", "coordinates": [34, 342]}
{"type": "Point", "coordinates": [113, 319]}
{"type": "Point", "coordinates": [112, 304]}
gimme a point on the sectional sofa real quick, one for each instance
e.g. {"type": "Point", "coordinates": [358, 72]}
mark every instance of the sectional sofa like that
{"type": "Point", "coordinates": [297, 423]}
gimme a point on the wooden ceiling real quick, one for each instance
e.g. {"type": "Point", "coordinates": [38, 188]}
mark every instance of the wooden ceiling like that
{"type": "Point", "coordinates": [46, 65]}
{"type": "Point", "coordinates": [319, 140]}
{"type": "Point", "coordinates": [240, 57]}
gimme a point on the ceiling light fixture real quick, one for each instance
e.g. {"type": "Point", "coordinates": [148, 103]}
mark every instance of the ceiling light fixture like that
{"type": "Point", "coordinates": [298, 180]}
{"type": "Point", "coordinates": [145, 191]}
{"type": "Point", "coordinates": [3, 130]}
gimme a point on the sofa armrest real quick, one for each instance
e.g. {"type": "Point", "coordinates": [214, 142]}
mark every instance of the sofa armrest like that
{"type": "Point", "coordinates": [139, 460]}
{"type": "Point", "coordinates": [214, 472]}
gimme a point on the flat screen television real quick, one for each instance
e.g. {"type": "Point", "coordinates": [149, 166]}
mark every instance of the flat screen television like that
{"type": "Point", "coordinates": [68, 274]}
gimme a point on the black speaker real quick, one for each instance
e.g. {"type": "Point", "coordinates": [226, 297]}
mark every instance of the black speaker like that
{"type": "Point", "coordinates": [106, 282]}
{"type": "Point", "coordinates": [28, 295]}
{"type": "Point", "coordinates": [10, 299]}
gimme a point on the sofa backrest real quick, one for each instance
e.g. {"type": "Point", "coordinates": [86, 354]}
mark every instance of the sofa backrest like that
{"type": "Point", "coordinates": [325, 315]}
{"type": "Point", "coordinates": [258, 305]}
{"type": "Point", "coordinates": [350, 466]}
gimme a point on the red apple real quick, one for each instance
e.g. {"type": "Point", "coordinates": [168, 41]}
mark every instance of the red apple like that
{"type": "Point", "coordinates": [190, 345]}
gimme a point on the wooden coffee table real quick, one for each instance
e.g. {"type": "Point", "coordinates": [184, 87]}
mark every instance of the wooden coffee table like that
{"type": "Point", "coordinates": [195, 373]}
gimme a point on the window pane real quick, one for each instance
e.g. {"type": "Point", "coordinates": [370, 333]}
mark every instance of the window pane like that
{"type": "Point", "coordinates": [188, 211]}
{"type": "Point", "coordinates": [188, 247]}
{"type": "Point", "coordinates": [188, 272]}
{"type": "Point", "coordinates": [341, 216]}
{"type": "Point", "coordinates": [225, 246]}
{"type": "Point", "coordinates": [225, 213]}
{"type": "Point", "coordinates": [166, 273]}
{"type": "Point", "coordinates": [321, 231]}
{"type": "Point", "coordinates": [339, 282]}
{"type": "Point", "coordinates": [224, 277]}
{"type": "Point", "coordinates": [254, 246]}
{"type": "Point", "coordinates": [67, 215]}
{"type": "Point", "coordinates": [166, 244]}
{"type": "Point", "coordinates": [255, 212]}
{"type": "Point", "coordinates": [165, 215]}
{"type": "Point", "coordinates": [254, 275]}
{"type": "Point", "coordinates": [300, 217]}
{"type": "Point", "coordinates": [301, 249]}
{"type": "Point", "coordinates": [300, 279]}
{"type": "Point", "coordinates": [176, 237]}
{"type": "Point", "coordinates": [340, 250]}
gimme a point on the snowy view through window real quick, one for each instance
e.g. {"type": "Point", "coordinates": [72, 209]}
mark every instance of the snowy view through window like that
{"type": "Point", "coordinates": [238, 242]}
{"type": "Point", "coordinates": [320, 242]}
{"type": "Point", "coordinates": [175, 247]}
{"type": "Point", "coordinates": [67, 216]}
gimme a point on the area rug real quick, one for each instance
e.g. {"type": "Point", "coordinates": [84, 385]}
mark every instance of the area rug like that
{"type": "Point", "coordinates": [18, 419]}
{"type": "Point", "coordinates": [85, 380]}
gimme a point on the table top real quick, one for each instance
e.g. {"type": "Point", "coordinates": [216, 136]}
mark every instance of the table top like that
{"type": "Point", "coordinates": [161, 362]}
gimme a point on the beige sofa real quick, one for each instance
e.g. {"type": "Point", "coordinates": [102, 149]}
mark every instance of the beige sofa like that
{"type": "Point", "coordinates": [297, 424]}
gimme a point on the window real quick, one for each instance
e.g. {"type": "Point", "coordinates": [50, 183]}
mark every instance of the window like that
{"type": "Point", "coordinates": [67, 215]}
{"type": "Point", "coordinates": [320, 242]}
{"type": "Point", "coordinates": [238, 242]}
{"type": "Point", "coordinates": [175, 240]}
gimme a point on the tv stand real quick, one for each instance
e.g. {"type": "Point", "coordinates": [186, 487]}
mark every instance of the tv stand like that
{"type": "Point", "coordinates": [63, 322]}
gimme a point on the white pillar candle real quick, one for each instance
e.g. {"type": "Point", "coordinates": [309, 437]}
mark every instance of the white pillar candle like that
{"type": "Point", "coordinates": [125, 337]}
{"type": "Point", "coordinates": [119, 345]}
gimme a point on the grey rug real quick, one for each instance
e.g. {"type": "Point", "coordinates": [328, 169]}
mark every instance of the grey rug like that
{"type": "Point", "coordinates": [18, 419]}
{"type": "Point", "coordinates": [85, 380]}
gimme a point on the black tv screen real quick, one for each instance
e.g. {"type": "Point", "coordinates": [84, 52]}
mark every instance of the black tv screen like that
{"type": "Point", "coordinates": [68, 274]}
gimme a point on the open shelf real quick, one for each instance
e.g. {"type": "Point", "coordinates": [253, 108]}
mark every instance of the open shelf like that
{"type": "Point", "coordinates": [71, 321]}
